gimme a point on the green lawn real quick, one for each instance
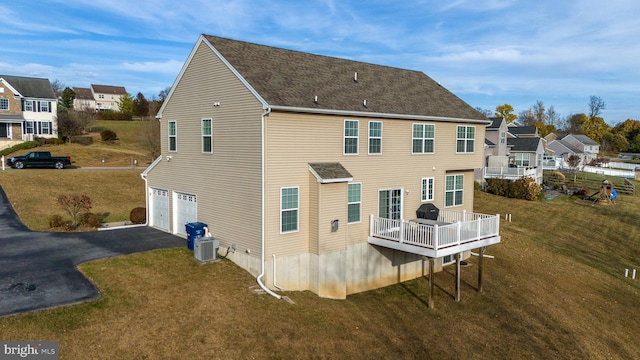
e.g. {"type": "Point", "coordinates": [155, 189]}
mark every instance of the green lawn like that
{"type": "Point", "coordinates": [555, 290]}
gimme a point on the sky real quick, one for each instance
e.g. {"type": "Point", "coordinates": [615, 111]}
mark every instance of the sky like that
{"type": "Point", "coordinates": [487, 52]}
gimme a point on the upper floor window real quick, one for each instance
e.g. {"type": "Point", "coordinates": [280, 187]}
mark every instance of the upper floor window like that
{"type": "Point", "coordinates": [28, 105]}
{"type": "Point", "coordinates": [207, 138]}
{"type": "Point", "coordinates": [454, 190]}
{"type": "Point", "coordinates": [427, 189]}
{"type": "Point", "coordinates": [173, 136]}
{"type": "Point", "coordinates": [465, 139]}
{"type": "Point", "coordinates": [423, 138]}
{"type": "Point", "coordinates": [354, 194]}
{"type": "Point", "coordinates": [4, 104]}
{"type": "Point", "coordinates": [44, 106]}
{"type": "Point", "coordinates": [100, 96]}
{"type": "Point", "coordinates": [503, 137]}
{"type": "Point", "coordinates": [289, 209]}
{"type": "Point", "coordinates": [375, 137]}
{"type": "Point", "coordinates": [351, 137]}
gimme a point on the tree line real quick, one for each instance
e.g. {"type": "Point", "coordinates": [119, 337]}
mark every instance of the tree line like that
{"type": "Point", "coordinates": [624, 136]}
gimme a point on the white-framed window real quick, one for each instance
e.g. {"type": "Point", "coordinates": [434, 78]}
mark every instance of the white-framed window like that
{"type": "Point", "coordinates": [4, 104]}
{"type": "Point", "coordinates": [100, 96]}
{"type": "Point", "coordinates": [465, 139]}
{"type": "Point", "coordinates": [449, 259]}
{"type": "Point", "coordinates": [173, 135]}
{"type": "Point", "coordinates": [390, 204]}
{"type": "Point", "coordinates": [427, 189]}
{"type": "Point", "coordinates": [289, 211]}
{"type": "Point", "coordinates": [351, 137]}
{"type": "Point", "coordinates": [44, 106]}
{"type": "Point", "coordinates": [28, 127]}
{"type": "Point", "coordinates": [522, 159]}
{"type": "Point", "coordinates": [424, 138]}
{"type": "Point", "coordinates": [45, 127]}
{"type": "Point", "coordinates": [207, 138]}
{"type": "Point", "coordinates": [28, 105]}
{"type": "Point", "coordinates": [503, 137]}
{"type": "Point", "coordinates": [375, 137]}
{"type": "Point", "coordinates": [354, 202]}
{"type": "Point", "coordinates": [454, 190]}
{"type": "Point", "coordinates": [539, 160]}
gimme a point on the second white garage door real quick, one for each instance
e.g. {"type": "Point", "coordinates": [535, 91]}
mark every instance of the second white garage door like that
{"type": "Point", "coordinates": [159, 208]}
{"type": "Point", "coordinates": [185, 210]}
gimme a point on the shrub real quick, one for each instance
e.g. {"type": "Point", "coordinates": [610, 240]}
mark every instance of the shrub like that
{"type": "Point", "coordinates": [113, 115]}
{"type": "Point", "coordinates": [75, 205]}
{"type": "Point", "coordinates": [90, 219]}
{"type": "Point", "coordinates": [138, 215]}
{"type": "Point", "coordinates": [523, 188]}
{"type": "Point", "coordinates": [108, 135]}
{"type": "Point", "coordinates": [22, 146]}
{"type": "Point", "coordinates": [55, 221]}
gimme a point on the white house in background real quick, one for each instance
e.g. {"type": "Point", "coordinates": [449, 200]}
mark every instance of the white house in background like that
{"type": "Point", "coordinates": [98, 97]}
{"type": "Point", "coordinates": [28, 109]}
{"type": "Point", "coordinates": [580, 145]}
{"type": "Point", "coordinates": [512, 152]}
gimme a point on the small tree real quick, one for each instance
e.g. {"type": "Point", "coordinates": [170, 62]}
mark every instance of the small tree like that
{"type": "Point", "coordinates": [574, 161]}
{"type": "Point", "coordinates": [75, 205]}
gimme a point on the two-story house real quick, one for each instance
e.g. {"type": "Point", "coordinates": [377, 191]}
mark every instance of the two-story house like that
{"type": "Point", "coordinates": [98, 97]}
{"type": "Point", "coordinates": [28, 109]}
{"type": "Point", "coordinates": [581, 145]}
{"type": "Point", "coordinates": [309, 169]}
{"type": "Point", "coordinates": [512, 152]}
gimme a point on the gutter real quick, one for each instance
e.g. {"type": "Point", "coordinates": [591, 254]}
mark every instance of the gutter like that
{"type": "Point", "coordinates": [262, 200]}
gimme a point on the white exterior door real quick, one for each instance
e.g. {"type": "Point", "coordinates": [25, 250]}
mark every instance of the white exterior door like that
{"type": "Point", "coordinates": [159, 208]}
{"type": "Point", "coordinates": [185, 210]}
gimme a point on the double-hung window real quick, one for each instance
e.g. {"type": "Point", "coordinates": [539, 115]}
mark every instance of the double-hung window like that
{"type": "Point", "coordinates": [375, 137]}
{"type": "Point", "coordinates": [173, 135]}
{"type": "Point", "coordinates": [423, 138]}
{"type": "Point", "coordinates": [354, 201]}
{"type": "Point", "coordinates": [522, 159]}
{"type": "Point", "coordinates": [427, 189]}
{"type": "Point", "coordinates": [28, 105]}
{"type": "Point", "coordinates": [44, 106]}
{"type": "Point", "coordinates": [351, 137]}
{"type": "Point", "coordinates": [454, 190]}
{"type": "Point", "coordinates": [289, 209]}
{"type": "Point", "coordinates": [465, 139]}
{"type": "Point", "coordinates": [207, 138]}
{"type": "Point", "coordinates": [45, 127]}
{"type": "Point", "coordinates": [4, 104]}
{"type": "Point", "coordinates": [28, 127]}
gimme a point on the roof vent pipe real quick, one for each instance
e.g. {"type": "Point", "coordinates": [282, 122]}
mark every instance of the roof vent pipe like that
{"type": "Point", "coordinates": [315, 99]}
{"type": "Point", "coordinates": [355, 76]}
{"type": "Point", "coordinates": [364, 103]}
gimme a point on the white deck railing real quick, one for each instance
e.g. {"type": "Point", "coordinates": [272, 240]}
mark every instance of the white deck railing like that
{"type": "Point", "coordinates": [458, 228]}
{"type": "Point", "coordinates": [509, 172]}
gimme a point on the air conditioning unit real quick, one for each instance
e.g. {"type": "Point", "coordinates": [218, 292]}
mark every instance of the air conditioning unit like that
{"type": "Point", "coordinates": [206, 248]}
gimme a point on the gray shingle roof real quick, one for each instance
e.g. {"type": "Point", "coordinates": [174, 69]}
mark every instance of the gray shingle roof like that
{"type": "Point", "coordinates": [31, 87]}
{"type": "Point", "coordinates": [523, 144]}
{"type": "Point", "coordinates": [290, 78]}
{"type": "Point", "coordinates": [523, 130]}
{"type": "Point", "coordinates": [330, 172]}
{"type": "Point", "coordinates": [585, 139]}
{"type": "Point", "coordinates": [495, 123]}
{"type": "Point", "coordinates": [108, 89]}
{"type": "Point", "coordinates": [83, 93]}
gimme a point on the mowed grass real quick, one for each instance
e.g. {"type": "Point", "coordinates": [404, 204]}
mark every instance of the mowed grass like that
{"type": "Point", "coordinates": [33, 193]}
{"type": "Point", "coordinates": [555, 290]}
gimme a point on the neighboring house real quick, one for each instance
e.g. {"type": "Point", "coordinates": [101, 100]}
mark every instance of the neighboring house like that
{"type": "Point", "coordinates": [28, 109]}
{"type": "Point", "coordinates": [513, 152]}
{"type": "Point", "coordinates": [107, 97]}
{"type": "Point", "coordinates": [580, 145]}
{"type": "Point", "coordinates": [84, 99]}
{"type": "Point", "coordinates": [307, 168]}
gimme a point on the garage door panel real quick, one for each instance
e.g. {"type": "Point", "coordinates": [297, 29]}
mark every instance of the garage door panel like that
{"type": "Point", "coordinates": [159, 208]}
{"type": "Point", "coordinates": [185, 211]}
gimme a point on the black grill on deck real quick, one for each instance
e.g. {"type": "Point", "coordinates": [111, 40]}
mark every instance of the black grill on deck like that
{"type": "Point", "coordinates": [427, 211]}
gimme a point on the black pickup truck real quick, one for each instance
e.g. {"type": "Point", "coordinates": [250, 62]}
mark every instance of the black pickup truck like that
{"type": "Point", "coordinates": [38, 159]}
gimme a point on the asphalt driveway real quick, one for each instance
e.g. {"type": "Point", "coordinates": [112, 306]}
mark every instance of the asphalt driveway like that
{"type": "Point", "coordinates": [38, 269]}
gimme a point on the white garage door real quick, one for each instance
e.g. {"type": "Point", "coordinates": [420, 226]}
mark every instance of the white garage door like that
{"type": "Point", "coordinates": [185, 211]}
{"type": "Point", "coordinates": [159, 208]}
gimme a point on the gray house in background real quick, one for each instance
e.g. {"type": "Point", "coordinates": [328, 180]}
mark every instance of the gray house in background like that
{"type": "Point", "coordinates": [580, 145]}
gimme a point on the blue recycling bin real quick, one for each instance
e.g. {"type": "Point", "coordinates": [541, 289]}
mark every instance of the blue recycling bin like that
{"type": "Point", "coordinates": [194, 230]}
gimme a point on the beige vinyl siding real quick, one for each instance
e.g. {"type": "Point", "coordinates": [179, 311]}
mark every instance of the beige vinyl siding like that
{"type": "Point", "coordinates": [227, 182]}
{"type": "Point", "coordinates": [294, 140]}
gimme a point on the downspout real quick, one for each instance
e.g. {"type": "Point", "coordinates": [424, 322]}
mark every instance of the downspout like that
{"type": "Point", "coordinates": [262, 230]}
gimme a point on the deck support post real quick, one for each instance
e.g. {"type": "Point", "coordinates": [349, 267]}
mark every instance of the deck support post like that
{"type": "Point", "coordinates": [431, 283]}
{"type": "Point", "coordinates": [480, 257]}
{"type": "Point", "coordinates": [457, 276]}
